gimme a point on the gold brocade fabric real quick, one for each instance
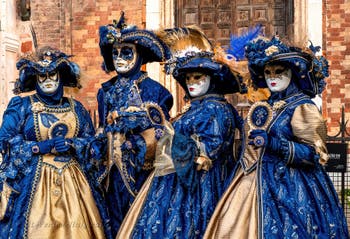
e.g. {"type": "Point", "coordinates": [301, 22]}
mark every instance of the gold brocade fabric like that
{"type": "Point", "coordinates": [4, 198]}
{"type": "Point", "coordinates": [251, 153]}
{"type": "Point", "coordinates": [236, 215]}
{"type": "Point", "coordinates": [131, 217]}
{"type": "Point", "coordinates": [309, 127]}
{"type": "Point", "coordinates": [163, 165]}
{"type": "Point", "coordinates": [63, 205]}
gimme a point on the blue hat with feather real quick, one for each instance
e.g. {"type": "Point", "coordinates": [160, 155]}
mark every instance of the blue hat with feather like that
{"type": "Point", "coordinates": [45, 61]}
{"type": "Point", "coordinates": [149, 46]}
{"type": "Point", "coordinates": [192, 51]}
{"type": "Point", "coordinates": [224, 78]}
{"type": "Point", "coordinates": [309, 70]}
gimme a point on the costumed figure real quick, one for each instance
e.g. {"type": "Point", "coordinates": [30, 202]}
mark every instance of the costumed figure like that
{"type": "Point", "coordinates": [281, 189]}
{"type": "Point", "coordinates": [131, 107]}
{"type": "Point", "coordinates": [193, 156]}
{"type": "Point", "coordinates": [48, 176]}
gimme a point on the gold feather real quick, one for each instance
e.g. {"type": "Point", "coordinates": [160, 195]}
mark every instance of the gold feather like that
{"type": "Point", "coordinates": [184, 38]}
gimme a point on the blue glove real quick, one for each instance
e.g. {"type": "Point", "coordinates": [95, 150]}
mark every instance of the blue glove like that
{"type": "Point", "coordinates": [62, 145]}
{"type": "Point", "coordinates": [43, 147]}
{"type": "Point", "coordinates": [260, 138]}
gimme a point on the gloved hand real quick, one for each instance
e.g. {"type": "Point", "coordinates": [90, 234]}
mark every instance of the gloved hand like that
{"type": "Point", "coordinates": [43, 147]}
{"type": "Point", "coordinates": [260, 138]}
{"type": "Point", "coordinates": [62, 145]}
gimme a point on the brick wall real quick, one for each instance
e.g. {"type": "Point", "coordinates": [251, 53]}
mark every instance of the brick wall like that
{"type": "Point", "coordinates": [336, 35]}
{"type": "Point", "coordinates": [72, 26]}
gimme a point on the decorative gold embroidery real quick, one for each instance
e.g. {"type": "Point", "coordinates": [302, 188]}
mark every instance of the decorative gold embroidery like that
{"type": "Point", "coordinates": [278, 105]}
{"type": "Point", "coordinates": [38, 107]}
{"type": "Point", "coordinates": [272, 49]}
{"type": "Point", "coordinates": [263, 121]}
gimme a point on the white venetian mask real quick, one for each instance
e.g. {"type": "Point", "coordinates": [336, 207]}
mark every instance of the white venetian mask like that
{"type": "Point", "coordinates": [277, 77]}
{"type": "Point", "coordinates": [48, 82]}
{"type": "Point", "coordinates": [197, 83]}
{"type": "Point", "coordinates": [124, 57]}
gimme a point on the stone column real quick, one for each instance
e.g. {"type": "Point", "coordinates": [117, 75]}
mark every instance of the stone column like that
{"type": "Point", "coordinates": [160, 14]}
{"type": "Point", "coordinates": [9, 48]}
{"type": "Point", "coordinates": [300, 22]}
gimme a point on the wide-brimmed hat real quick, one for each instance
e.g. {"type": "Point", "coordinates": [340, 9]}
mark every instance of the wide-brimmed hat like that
{"type": "Point", "coordinates": [44, 61]}
{"type": "Point", "coordinates": [308, 69]}
{"type": "Point", "coordinates": [226, 80]}
{"type": "Point", "coordinates": [150, 47]}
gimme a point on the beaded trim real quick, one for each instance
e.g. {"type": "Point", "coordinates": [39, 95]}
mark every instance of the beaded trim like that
{"type": "Point", "coordinates": [32, 193]}
{"type": "Point", "coordinates": [267, 118]}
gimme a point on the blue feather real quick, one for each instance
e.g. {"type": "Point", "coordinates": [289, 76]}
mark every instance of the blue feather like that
{"type": "Point", "coordinates": [121, 22]}
{"type": "Point", "coordinates": [238, 42]}
{"type": "Point", "coordinates": [313, 48]}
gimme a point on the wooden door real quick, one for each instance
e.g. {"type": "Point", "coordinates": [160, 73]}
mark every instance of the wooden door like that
{"type": "Point", "coordinates": [220, 18]}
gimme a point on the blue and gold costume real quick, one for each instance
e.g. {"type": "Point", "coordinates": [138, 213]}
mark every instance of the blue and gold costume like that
{"type": "Point", "coordinates": [281, 189]}
{"type": "Point", "coordinates": [179, 198]}
{"type": "Point", "coordinates": [124, 102]}
{"type": "Point", "coordinates": [51, 195]}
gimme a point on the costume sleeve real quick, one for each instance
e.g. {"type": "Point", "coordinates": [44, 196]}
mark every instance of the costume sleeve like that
{"type": "Point", "coordinates": [17, 156]}
{"type": "Point", "coordinates": [89, 150]}
{"type": "Point", "coordinates": [209, 127]}
{"type": "Point", "coordinates": [166, 102]}
{"type": "Point", "coordinates": [154, 92]}
{"type": "Point", "coordinates": [309, 130]}
{"type": "Point", "coordinates": [13, 119]}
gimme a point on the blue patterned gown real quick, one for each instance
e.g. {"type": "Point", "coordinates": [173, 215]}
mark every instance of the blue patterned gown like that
{"type": "Point", "coordinates": [49, 196]}
{"type": "Point", "coordinates": [178, 200]}
{"type": "Point", "coordinates": [128, 174]}
{"type": "Point", "coordinates": [286, 194]}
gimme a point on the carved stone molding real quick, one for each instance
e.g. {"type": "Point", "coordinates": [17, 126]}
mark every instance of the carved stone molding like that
{"type": "Point", "coordinates": [10, 42]}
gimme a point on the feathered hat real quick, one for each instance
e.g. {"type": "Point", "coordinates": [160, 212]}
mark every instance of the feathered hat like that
{"type": "Point", "coordinates": [192, 51]}
{"type": "Point", "coordinates": [46, 60]}
{"type": "Point", "coordinates": [150, 47]}
{"type": "Point", "coordinates": [308, 69]}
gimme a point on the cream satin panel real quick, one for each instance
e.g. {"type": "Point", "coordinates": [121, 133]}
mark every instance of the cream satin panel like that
{"type": "Point", "coordinates": [131, 217]}
{"type": "Point", "coordinates": [63, 205]}
{"type": "Point", "coordinates": [236, 215]}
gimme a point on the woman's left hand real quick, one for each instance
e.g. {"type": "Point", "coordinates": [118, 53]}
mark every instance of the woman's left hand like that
{"type": "Point", "coordinates": [259, 138]}
{"type": "Point", "coordinates": [62, 145]}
